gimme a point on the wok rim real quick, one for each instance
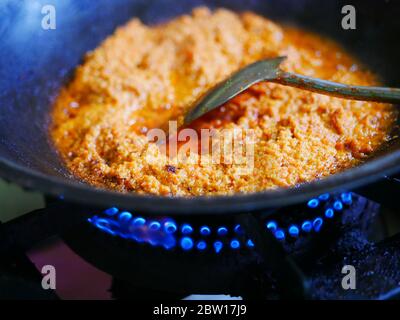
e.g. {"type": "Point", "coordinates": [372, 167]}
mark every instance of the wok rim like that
{"type": "Point", "coordinates": [85, 194]}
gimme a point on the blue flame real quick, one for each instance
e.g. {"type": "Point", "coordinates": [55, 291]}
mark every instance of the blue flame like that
{"type": "Point", "coordinates": [329, 213]}
{"type": "Point", "coordinates": [186, 243]}
{"type": "Point", "coordinates": [272, 225]}
{"type": "Point", "coordinates": [154, 225]}
{"type": "Point", "coordinates": [164, 231]}
{"type": "Point", "coordinates": [294, 231]}
{"type": "Point", "coordinates": [238, 229]}
{"type": "Point", "coordinates": [111, 211]}
{"type": "Point", "coordinates": [138, 222]}
{"type": "Point", "coordinates": [218, 246]}
{"type": "Point", "coordinates": [186, 228]}
{"type": "Point", "coordinates": [222, 231]}
{"type": "Point", "coordinates": [205, 231]}
{"type": "Point", "coordinates": [135, 229]}
{"type": "Point", "coordinates": [235, 244]}
{"type": "Point", "coordinates": [317, 224]}
{"type": "Point", "coordinates": [338, 205]}
{"type": "Point", "coordinates": [306, 226]}
{"type": "Point", "coordinates": [346, 198]}
{"type": "Point", "coordinates": [201, 245]}
{"type": "Point", "coordinates": [324, 196]}
{"type": "Point", "coordinates": [313, 203]}
{"type": "Point", "coordinates": [170, 226]}
{"type": "Point", "coordinates": [124, 216]}
{"type": "Point", "coordinates": [280, 234]}
{"type": "Point", "coordinates": [250, 243]}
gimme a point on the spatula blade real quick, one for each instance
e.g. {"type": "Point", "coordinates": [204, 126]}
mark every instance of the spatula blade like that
{"type": "Point", "coordinates": [262, 70]}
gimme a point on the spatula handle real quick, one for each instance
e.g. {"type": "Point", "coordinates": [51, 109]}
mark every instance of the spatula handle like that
{"type": "Point", "coordinates": [363, 93]}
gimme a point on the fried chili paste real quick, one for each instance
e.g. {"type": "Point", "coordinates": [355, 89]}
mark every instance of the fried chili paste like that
{"type": "Point", "coordinates": [142, 76]}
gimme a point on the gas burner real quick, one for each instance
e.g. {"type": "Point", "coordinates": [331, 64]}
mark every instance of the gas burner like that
{"type": "Point", "coordinates": [207, 236]}
{"type": "Point", "coordinates": [288, 252]}
{"type": "Point", "coordinates": [219, 254]}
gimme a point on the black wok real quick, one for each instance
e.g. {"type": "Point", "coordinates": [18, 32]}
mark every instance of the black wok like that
{"type": "Point", "coordinates": [35, 63]}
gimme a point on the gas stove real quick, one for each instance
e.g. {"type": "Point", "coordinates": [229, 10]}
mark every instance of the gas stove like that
{"type": "Point", "coordinates": [301, 251]}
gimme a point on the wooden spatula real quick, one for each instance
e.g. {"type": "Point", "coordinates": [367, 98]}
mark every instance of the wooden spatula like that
{"type": "Point", "coordinates": [268, 70]}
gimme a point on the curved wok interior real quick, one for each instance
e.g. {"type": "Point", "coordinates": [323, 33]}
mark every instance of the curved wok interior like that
{"type": "Point", "coordinates": [36, 63]}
